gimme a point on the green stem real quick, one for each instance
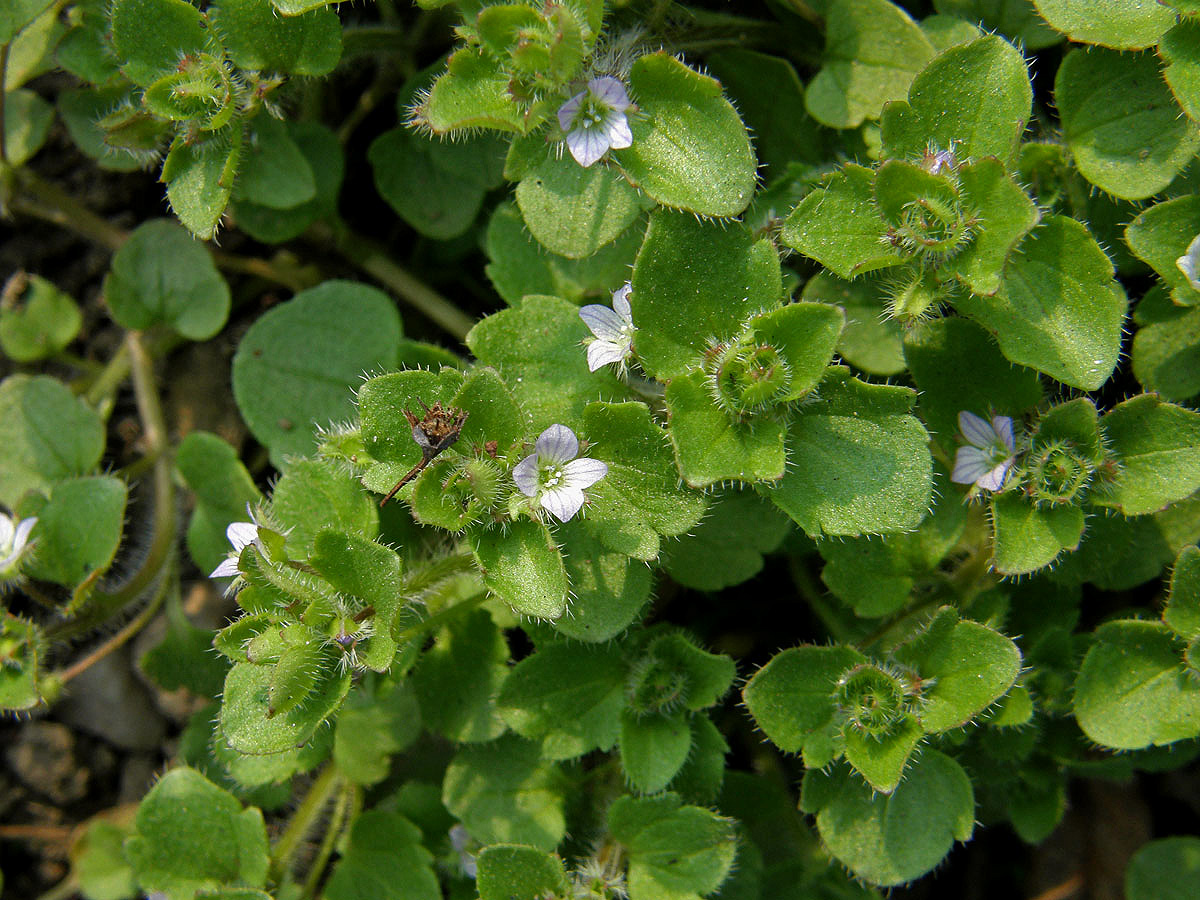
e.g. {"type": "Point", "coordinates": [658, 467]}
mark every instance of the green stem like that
{"type": "Point", "coordinates": [42, 200]}
{"type": "Point", "coordinates": [373, 260]}
{"type": "Point", "coordinates": [347, 798]}
{"type": "Point", "coordinates": [111, 377]}
{"type": "Point", "coordinates": [303, 821]}
{"type": "Point", "coordinates": [3, 94]}
{"type": "Point", "coordinates": [104, 604]}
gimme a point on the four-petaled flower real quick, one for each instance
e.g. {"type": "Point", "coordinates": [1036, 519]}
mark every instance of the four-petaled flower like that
{"type": "Point", "coordinates": [1189, 263]}
{"type": "Point", "coordinates": [613, 329]}
{"type": "Point", "coordinates": [240, 534]}
{"type": "Point", "coordinates": [989, 454]}
{"type": "Point", "coordinates": [594, 120]}
{"type": "Point", "coordinates": [13, 538]}
{"type": "Point", "coordinates": [554, 477]}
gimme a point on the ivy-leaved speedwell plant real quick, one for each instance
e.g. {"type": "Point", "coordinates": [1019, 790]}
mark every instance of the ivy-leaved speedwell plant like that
{"type": "Point", "coordinates": [828, 282]}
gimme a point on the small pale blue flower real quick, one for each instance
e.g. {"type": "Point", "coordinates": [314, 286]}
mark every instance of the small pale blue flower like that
{"type": "Point", "coordinates": [14, 536]}
{"type": "Point", "coordinates": [613, 330]}
{"type": "Point", "coordinates": [989, 454]}
{"type": "Point", "coordinates": [554, 477]}
{"type": "Point", "coordinates": [594, 120]}
{"type": "Point", "coordinates": [239, 534]}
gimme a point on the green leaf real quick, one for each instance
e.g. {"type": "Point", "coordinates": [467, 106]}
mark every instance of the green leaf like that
{"type": "Point", "coordinates": [1165, 869]}
{"type": "Point", "coordinates": [1160, 235]}
{"type": "Point", "coordinates": [77, 533]}
{"type": "Point", "coordinates": [968, 667]}
{"type": "Point", "coordinates": [515, 872]}
{"type": "Point", "coordinates": [943, 111]}
{"type": "Point", "coordinates": [162, 275]}
{"type": "Point", "coordinates": [1133, 691]}
{"type": "Point", "coordinates": [889, 839]}
{"type": "Point", "coordinates": [437, 187]}
{"type": "Point", "coordinates": [1005, 213]}
{"type": "Point", "coordinates": [1015, 19]}
{"type": "Point", "coordinates": [191, 835]}
{"type": "Point", "coordinates": [99, 865]}
{"type": "Point", "coordinates": [690, 149]}
{"type": "Point", "coordinates": [493, 413]}
{"type": "Point", "coordinates": [504, 791]}
{"type": "Point", "coordinates": [261, 40]}
{"type": "Point", "coordinates": [17, 14]}
{"type": "Point", "coordinates": [1058, 309]}
{"type": "Point", "coordinates": [709, 447]}
{"type": "Point", "coordinates": [81, 111]}
{"type": "Point", "coordinates": [372, 727]}
{"type": "Point", "coordinates": [297, 365]}
{"type": "Point", "coordinates": [770, 98]}
{"type": "Point", "coordinates": [957, 366]}
{"type": "Point", "coordinates": [1121, 121]}
{"type": "Point", "coordinates": [882, 759]}
{"type": "Point", "coordinates": [458, 678]}
{"type": "Point", "coordinates": [1178, 50]}
{"type": "Point", "coordinates": [610, 589]}
{"type": "Point", "coordinates": [48, 434]}
{"type": "Point", "coordinates": [275, 174]}
{"type": "Point", "coordinates": [676, 852]}
{"type": "Point", "coordinates": [653, 749]}
{"type": "Point", "coordinates": [150, 36]}
{"type": "Point", "coordinates": [385, 859]}
{"type": "Point", "coordinates": [840, 226]}
{"type": "Point", "coordinates": [40, 321]}
{"type": "Point", "coordinates": [567, 696]}
{"type": "Point", "coordinates": [1158, 447]}
{"type": "Point", "coordinates": [872, 52]}
{"type": "Point", "coordinates": [702, 776]}
{"type": "Point", "coordinates": [791, 697]}
{"type": "Point", "coordinates": [22, 648]}
{"type": "Point", "coordinates": [539, 348]}
{"type": "Point", "coordinates": [695, 281]}
{"type": "Point", "coordinates": [859, 461]}
{"type": "Point", "coordinates": [223, 491]}
{"type": "Point", "coordinates": [471, 93]}
{"type": "Point", "coordinates": [1123, 24]}
{"type": "Point", "coordinates": [640, 498]}
{"type": "Point", "coordinates": [246, 720]}
{"type": "Point", "coordinates": [27, 121]}
{"type": "Point", "coordinates": [199, 178]}
{"type": "Point", "coordinates": [184, 657]}
{"type": "Point", "coordinates": [573, 211]}
{"type": "Point", "coordinates": [520, 266]}
{"type": "Point", "coordinates": [315, 494]}
{"type": "Point", "coordinates": [523, 567]}
{"type": "Point", "coordinates": [1027, 537]}
{"type": "Point", "coordinates": [727, 547]}
{"type": "Point", "coordinates": [321, 149]}
{"type": "Point", "coordinates": [1182, 614]}
{"type": "Point", "coordinates": [869, 341]}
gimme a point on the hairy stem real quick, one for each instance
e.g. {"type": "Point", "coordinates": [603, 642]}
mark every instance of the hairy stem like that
{"type": "Point", "coordinates": [347, 799]}
{"type": "Point", "coordinates": [303, 821]}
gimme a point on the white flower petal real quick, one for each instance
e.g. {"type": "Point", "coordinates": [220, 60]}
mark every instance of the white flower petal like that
{"type": "Point", "coordinates": [601, 353]}
{"type": "Point", "coordinates": [582, 473]}
{"type": "Point", "coordinates": [977, 431]}
{"type": "Point", "coordinates": [610, 92]}
{"type": "Point", "coordinates": [587, 145]}
{"type": "Point", "coordinates": [1189, 263]}
{"type": "Point", "coordinates": [240, 534]}
{"type": "Point", "coordinates": [562, 502]}
{"type": "Point", "coordinates": [1003, 426]}
{"type": "Point", "coordinates": [22, 535]}
{"type": "Point", "coordinates": [970, 464]}
{"type": "Point", "coordinates": [993, 480]}
{"type": "Point", "coordinates": [525, 475]}
{"type": "Point", "coordinates": [227, 568]}
{"type": "Point", "coordinates": [6, 532]}
{"type": "Point", "coordinates": [557, 444]}
{"type": "Point", "coordinates": [620, 301]}
{"type": "Point", "coordinates": [616, 128]}
{"type": "Point", "coordinates": [568, 111]}
{"type": "Point", "coordinates": [603, 322]}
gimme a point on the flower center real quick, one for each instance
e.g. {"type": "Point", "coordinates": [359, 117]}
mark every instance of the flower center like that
{"type": "Point", "coordinates": [552, 477]}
